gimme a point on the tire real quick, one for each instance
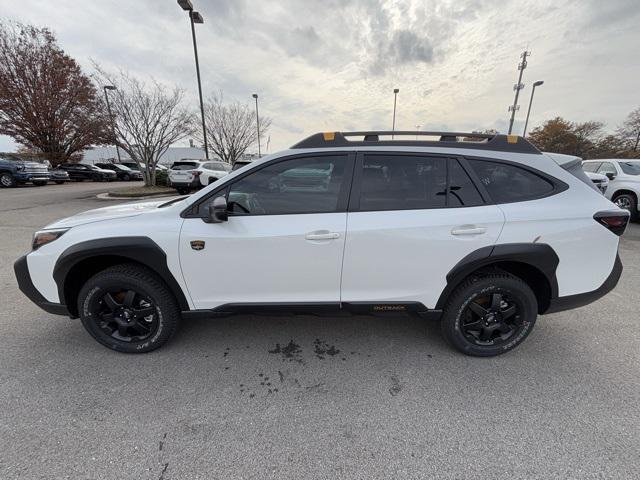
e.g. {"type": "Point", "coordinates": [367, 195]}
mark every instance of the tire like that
{"type": "Point", "coordinates": [472, 324]}
{"type": "Point", "coordinates": [39, 184]}
{"type": "Point", "coordinates": [108, 309]}
{"type": "Point", "coordinates": [211, 180]}
{"type": "Point", "coordinates": [628, 202]}
{"type": "Point", "coordinates": [126, 177]}
{"type": "Point", "coordinates": [7, 180]}
{"type": "Point", "coordinates": [183, 191]}
{"type": "Point", "coordinates": [59, 182]}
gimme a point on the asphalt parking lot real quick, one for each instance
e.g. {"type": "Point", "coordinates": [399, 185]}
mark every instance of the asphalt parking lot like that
{"type": "Point", "coordinates": [310, 397]}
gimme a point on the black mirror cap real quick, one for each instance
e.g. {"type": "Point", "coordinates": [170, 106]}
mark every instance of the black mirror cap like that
{"type": "Point", "coordinates": [217, 211]}
{"type": "Point", "coordinates": [610, 175]}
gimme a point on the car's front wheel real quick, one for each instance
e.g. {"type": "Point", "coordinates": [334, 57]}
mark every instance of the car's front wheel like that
{"type": "Point", "coordinates": [489, 314]}
{"type": "Point", "coordinates": [128, 308]}
{"type": "Point", "coordinates": [7, 180]}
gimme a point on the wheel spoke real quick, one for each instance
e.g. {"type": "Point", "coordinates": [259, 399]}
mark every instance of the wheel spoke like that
{"type": "Point", "coordinates": [141, 327]}
{"type": "Point", "coordinates": [505, 328]}
{"type": "Point", "coordinates": [496, 298]}
{"type": "Point", "coordinates": [128, 298]}
{"type": "Point", "coordinates": [110, 302]}
{"type": "Point", "coordinates": [122, 331]}
{"type": "Point", "coordinates": [509, 312]}
{"type": "Point", "coordinates": [485, 334]}
{"type": "Point", "coordinates": [107, 317]}
{"type": "Point", "coordinates": [477, 309]}
{"type": "Point", "coordinates": [144, 312]}
{"type": "Point", "coordinates": [475, 325]}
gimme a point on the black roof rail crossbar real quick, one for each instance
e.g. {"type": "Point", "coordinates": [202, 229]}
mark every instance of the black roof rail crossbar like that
{"type": "Point", "coordinates": [480, 141]}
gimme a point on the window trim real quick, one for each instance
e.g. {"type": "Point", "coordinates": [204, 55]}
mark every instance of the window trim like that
{"type": "Point", "coordinates": [343, 196]}
{"type": "Point", "coordinates": [356, 189]}
{"type": "Point", "coordinates": [558, 185]}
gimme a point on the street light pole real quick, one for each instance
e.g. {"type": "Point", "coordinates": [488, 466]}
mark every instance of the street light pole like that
{"type": "Point", "coordinates": [113, 121]}
{"type": "Point", "coordinates": [195, 17]}
{"type": "Point", "coordinates": [533, 90]}
{"type": "Point", "coordinates": [255, 95]}
{"type": "Point", "coordinates": [395, 99]}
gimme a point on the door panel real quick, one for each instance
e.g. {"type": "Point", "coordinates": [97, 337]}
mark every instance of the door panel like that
{"type": "Point", "coordinates": [264, 259]}
{"type": "Point", "coordinates": [424, 215]}
{"type": "Point", "coordinates": [406, 255]}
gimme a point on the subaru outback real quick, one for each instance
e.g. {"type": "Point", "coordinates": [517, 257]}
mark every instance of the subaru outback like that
{"type": "Point", "coordinates": [481, 232]}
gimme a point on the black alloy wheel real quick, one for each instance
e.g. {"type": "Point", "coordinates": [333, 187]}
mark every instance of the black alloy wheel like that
{"type": "Point", "coordinates": [491, 319]}
{"type": "Point", "coordinates": [489, 314]}
{"type": "Point", "coordinates": [126, 315]}
{"type": "Point", "coordinates": [128, 308]}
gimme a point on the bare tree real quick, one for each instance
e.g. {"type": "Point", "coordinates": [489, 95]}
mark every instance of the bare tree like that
{"type": "Point", "coordinates": [46, 103]}
{"type": "Point", "coordinates": [148, 119]}
{"type": "Point", "coordinates": [231, 128]}
{"type": "Point", "coordinates": [630, 130]}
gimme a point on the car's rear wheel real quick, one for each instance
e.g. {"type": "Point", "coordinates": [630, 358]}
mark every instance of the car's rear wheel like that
{"type": "Point", "coordinates": [490, 314]}
{"type": "Point", "coordinates": [59, 182]}
{"type": "Point", "coordinates": [627, 202]}
{"type": "Point", "coordinates": [126, 177]}
{"type": "Point", "coordinates": [7, 180]}
{"type": "Point", "coordinates": [129, 309]}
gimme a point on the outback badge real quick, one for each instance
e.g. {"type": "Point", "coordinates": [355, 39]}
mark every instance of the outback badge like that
{"type": "Point", "coordinates": [197, 244]}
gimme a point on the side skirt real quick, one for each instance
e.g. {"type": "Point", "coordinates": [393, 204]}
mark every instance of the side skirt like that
{"type": "Point", "coordinates": [320, 309]}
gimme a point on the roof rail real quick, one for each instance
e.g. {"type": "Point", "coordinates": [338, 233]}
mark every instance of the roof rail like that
{"type": "Point", "coordinates": [479, 141]}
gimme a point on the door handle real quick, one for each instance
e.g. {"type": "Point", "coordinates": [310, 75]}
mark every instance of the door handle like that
{"type": "Point", "coordinates": [468, 230]}
{"type": "Point", "coordinates": [322, 235]}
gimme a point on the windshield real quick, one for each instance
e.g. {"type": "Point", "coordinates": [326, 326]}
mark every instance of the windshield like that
{"type": "Point", "coordinates": [630, 168]}
{"type": "Point", "coordinates": [184, 166]}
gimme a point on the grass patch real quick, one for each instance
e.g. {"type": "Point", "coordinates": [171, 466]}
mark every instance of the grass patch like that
{"type": "Point", "coordinates": [141, 191]}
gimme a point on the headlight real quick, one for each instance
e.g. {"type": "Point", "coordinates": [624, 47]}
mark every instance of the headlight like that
{"type": "Point", "coordinates": [46, 236]}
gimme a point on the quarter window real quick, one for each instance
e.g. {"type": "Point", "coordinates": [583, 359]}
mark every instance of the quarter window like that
{"type": "Point", "coordinates": [509, 183]}
{"type": "Point", "coordinates": [302, 185]}
{"type": "Point", "coordinates": [462, 191]}
{"type": "Point", "coordinates": [607, 167]}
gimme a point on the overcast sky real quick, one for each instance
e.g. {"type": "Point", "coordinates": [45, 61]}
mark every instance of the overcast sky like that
{"type": "Point", "coordinates": [332, 64]}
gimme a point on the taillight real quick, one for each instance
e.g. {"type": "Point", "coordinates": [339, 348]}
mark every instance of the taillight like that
{"type": "Point", "coordinates": [614, 220]}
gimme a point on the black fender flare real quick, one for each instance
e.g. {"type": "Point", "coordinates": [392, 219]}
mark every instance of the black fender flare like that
{"type": "Point", "coordinates": [537, 255]}
{"type": "Point", "coordinates": [141, 250]}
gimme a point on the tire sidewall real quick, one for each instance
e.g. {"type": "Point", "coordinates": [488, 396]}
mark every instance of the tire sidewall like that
{"type": "Point", "coordinates": [10, 183]}
{"type": "Point", "coordinates": [96, 287]}
{"type": "Point", "coordinates": [453, 317]}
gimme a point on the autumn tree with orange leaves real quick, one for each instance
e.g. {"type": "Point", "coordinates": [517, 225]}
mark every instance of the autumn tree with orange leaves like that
{"type": "Point", "coordinates": [47, 103]}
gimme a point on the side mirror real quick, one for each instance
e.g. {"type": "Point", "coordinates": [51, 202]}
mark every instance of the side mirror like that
{"type": "Point", "coordinates": [610, 175]}
{"type": "Point", "coordinates": [217, 211]}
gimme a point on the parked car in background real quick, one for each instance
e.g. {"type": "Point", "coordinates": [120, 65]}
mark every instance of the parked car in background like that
{"type": "Point", "coordinates": [17, 172]}
{"type": "Point", "coordinates": [599, 180]}
{"type": "Point", "coordinates": [122, 171]}
{"type": "Point", "coordinates": [59, 176]}
{"type": "Point", "coordinates": [82, 171]}
{"type": "Point", "coordinates": [188, 175]}
{"type": "Point", "coordinates": [482, 235]}
{"type": "Point", "coordinates": [624, 181]}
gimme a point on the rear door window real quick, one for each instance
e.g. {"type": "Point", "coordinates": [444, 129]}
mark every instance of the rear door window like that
{"type": "Point", "coordinates": [507, 183]}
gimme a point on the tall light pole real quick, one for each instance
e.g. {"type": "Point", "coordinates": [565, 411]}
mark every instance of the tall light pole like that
{"type": "Point", "coordinates": [395, 99]}
{"type": "Point", "coordinates": [517, 87]}
{"type": "Point", "coordinates": [255, 95]}
{"type": "Point", "coordinates": [195, 17]}
{"type": "Point", "coordinates": [113, 120]}
{"type": "Point", "coordinates": [533, 90]}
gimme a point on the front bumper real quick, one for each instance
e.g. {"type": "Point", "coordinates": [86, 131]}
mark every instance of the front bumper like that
{"type": "Point", "coordinates": [21, 269]}
{"type": "Point", "coordinates": [570, 302]}
{"type": "Point", "coordinates": [30, 177]}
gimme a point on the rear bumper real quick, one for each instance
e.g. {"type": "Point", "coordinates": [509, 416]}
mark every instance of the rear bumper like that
{"type": "Point", "coordinates": [195, 183]}
{"type": "Point", "coordinates": [21, 269]}
{"type": "Point", "coordinates": [574, 301]}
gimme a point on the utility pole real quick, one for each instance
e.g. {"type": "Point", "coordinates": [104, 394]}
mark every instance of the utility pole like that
{"type": "Point", "coordinates": [517, 87]}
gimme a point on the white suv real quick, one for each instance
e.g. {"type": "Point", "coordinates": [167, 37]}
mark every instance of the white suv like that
{"type": "Point", "coordinates": [624, 181]}
{"type": "Point", "coordinates": [482, 232]}
{"type": "Point", "coordinates": [188, 175]}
